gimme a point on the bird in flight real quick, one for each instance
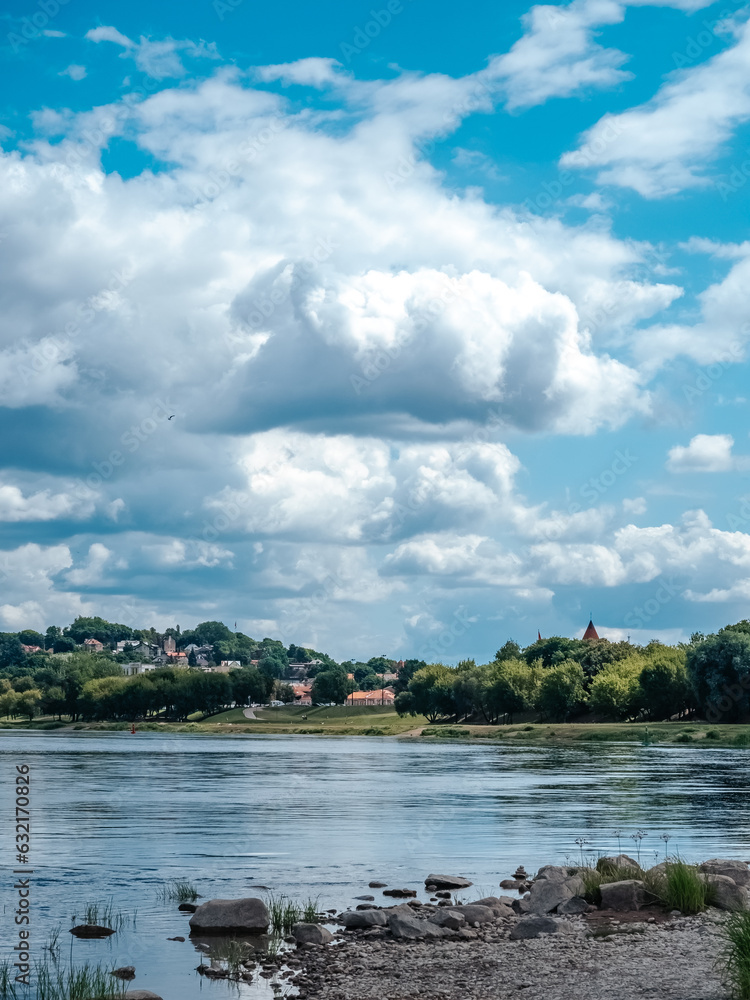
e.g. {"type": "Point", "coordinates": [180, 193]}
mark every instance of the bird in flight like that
{"type": "Point", "coordinates": [169, 418]}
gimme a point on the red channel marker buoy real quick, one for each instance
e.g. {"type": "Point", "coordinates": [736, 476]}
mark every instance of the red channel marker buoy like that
{"type": "Point", "coordinates": [132, 729]}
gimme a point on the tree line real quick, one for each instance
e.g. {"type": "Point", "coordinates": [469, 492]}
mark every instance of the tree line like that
{"type": "Point", "coordinates": [561, 678]}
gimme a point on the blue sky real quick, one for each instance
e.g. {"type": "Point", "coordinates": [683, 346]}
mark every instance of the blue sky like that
{"type": "Point", "coordinates": [376, 328]}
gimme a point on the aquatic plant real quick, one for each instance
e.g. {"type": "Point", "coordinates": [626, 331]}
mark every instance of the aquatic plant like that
{"type": "Point", "coordinates": [310, 911]}
{"type": "Point", "coordinates": [105, 915]}
{"type": "Point", "coordinates": [734, 959]}
{"type": "Point", "coordinates": [179, 891]}
{"type": "Point", "coordinates": [53, 941]}
{"type": "Point", "coordinates": [234, 953]}
{"type": "Point", "coordinates": [284, 913]}
{"type": "Point", "coordinates": [52, 983]}
{"type": "Point", "coordinates": [638, 837]}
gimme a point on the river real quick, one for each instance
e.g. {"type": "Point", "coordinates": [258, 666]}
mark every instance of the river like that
{"type": "Point", "coordinates": [116, 816]}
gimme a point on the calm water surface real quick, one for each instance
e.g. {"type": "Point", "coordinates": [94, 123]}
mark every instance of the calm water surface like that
{"type": "Point", "coordinates": [117, 816]}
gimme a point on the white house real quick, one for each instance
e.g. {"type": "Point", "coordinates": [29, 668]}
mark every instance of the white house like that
{"type": "Point", "coordinates": [133, 669]}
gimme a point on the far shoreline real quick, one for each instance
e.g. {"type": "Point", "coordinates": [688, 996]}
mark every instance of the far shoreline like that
{"type": "Point", "coordinates": [384, 723]}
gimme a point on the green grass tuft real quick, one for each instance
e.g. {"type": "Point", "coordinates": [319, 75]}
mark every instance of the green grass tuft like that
{"type": "Point", "coordinates": [105, 915]}
{"type": "Point", "coordinates": [179, 891]}
{"type": "Point", "coordinates": [734, 960]}
{"type": "Point", "coordinates": [679, 887]}
{"type": "Point", "coordinates": [284, 913]}
{"type": "Point", "coordinates": [52, 983]}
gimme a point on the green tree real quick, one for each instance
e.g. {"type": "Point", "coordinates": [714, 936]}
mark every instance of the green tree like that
{"type": "Point", "coordinates": [510, 650]}
{"type": "Point", "coordinates": [53, 701]}
{"type": "Point", "coordinates": [9, 704]}
{"type": "Point", "coordinates": [665, 684]}
{"type": "Point", "coordinates": [64, 644]}
{"type": "Point", "coordinates": [554, 650]}
{"type": "Point", "coordinates": [23, 683]}
{"type": "Point", "coordinates": [561, 691]}
{"type": "Point", "coordinates": [28, 702]}
{"type": "Point", "coordinates": [272, 667]}
{"type": "Point", "coordinates": [719, 673]}
{"type": "Point", "coordinates": [406, 673]}
{"type": "Point", "coordinates": [331, 686]}
{"type": "Point", "coordinates": [250, 685]}
{"type": "Point", "coordinates": [207, 634]}
{"type": "Point", "coordinates": [284, 692]}
{"type": "Point", "coordinates": [97, 628]}
{"type": "Point", "coordinates": [616, 690]}
{"type": "Point", "coordinates": [430, 693]}
{"type": "Point", "coordinates": [11, 652]}
{"type": "Point", "coordinates": [31, 638]}
{"type": "Point", "coordinates": [298, 654]}
{"type": "Point", "coordinates": [511, 688]}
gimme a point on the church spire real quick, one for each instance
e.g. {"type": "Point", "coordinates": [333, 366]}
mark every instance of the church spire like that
{"type": "Point", "coordinates": [590, 632]}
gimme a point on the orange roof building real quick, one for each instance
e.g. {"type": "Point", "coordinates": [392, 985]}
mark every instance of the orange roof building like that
{"type": "Point", "coordinates": [590, 632]}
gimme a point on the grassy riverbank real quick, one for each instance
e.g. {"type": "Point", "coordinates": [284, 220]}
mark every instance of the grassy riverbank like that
{"type": "Point", "coordinates": [376, 720]}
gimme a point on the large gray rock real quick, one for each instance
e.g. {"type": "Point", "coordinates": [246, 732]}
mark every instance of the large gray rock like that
{"type": "Point", "coordinates": [576, 904]}
{"type": "Point", "coordinates": [738, 871]}
{"type": "Point", "coordinates": [355, 919]}
{"type": "Point", "coordinates": [532, 926]}
{"type": "Point", "coordinates": [448, 882]}
{"type": "Point", "coordinates": [553, 873]}
{"type": "Point", "coordinates": [725, 894]}
{"type": "Point", "coordinates": [311, 934]}
{"type": "Point", "coordinates": [546, 895]}
{"type": "Point", "coordinates": [475, 913]}
{"type": "Point", "coordinates": [451, 919]}
{"type": "Point", "coordinates": [221, 916]}
{"type": "Point", "coordinates": [514, 883]}
{"type": "Point", "coordinates": [141, 995]}
{"type": "Point", "coordinates": [630, 894]}
{"type": "Point", "coordinates": [618, 861]}
{"type": "Point", "coordinates": [407, 927]}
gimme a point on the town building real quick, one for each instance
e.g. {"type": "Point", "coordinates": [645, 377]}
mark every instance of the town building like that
{"type": "Point", "coordinates": [133, 669]}
{"type": "Point", "coordinates": [384, 696]}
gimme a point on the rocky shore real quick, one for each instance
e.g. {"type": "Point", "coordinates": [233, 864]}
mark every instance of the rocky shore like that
{"type": "Point", "coordinates": [546, 942]}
